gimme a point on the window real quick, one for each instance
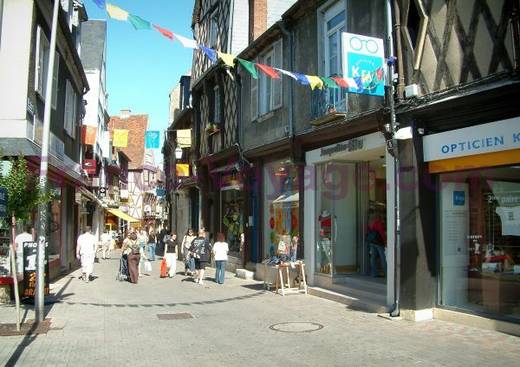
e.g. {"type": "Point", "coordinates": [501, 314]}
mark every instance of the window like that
{"type": "Point", "coordinates": [213, 29]}
{"type": "Point", "coordinates": [69, 120]}
{"type": "Point", "coordinates": [266, 93]}
{"type": "Point", "coordinates": [42, 65]}
{"type": "Point", "coordinates": [334, 25]}
{"type": "Point", "coordinates": [216, 105]}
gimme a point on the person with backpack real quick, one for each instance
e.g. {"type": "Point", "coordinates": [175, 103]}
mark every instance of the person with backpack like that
{"type": "Point", "coordinates": [201, 248]}
{"type": "Point", "coordinates": [376, 239]}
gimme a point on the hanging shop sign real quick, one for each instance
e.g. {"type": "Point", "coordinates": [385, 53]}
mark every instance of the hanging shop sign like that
{"type": "Point", "coordinates": [90, 166]}
{"type": "Point", "coordinates": [364, 62]}
{"type": "Point", "coordinates": [487, 138]}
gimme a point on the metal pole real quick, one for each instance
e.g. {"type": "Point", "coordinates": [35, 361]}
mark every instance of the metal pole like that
{"type": "Point", "coordinates": [42, 209]}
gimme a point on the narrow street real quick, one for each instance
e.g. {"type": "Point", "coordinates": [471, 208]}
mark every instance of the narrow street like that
{"type": "Point", "coordinates": [110, 323]}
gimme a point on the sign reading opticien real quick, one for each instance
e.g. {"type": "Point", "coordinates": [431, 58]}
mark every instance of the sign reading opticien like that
{"type": "Point", "coordinates": [487, 138]}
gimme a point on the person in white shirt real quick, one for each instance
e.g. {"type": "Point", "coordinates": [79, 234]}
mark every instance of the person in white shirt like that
{"type": "Point", "coordinates": [25, 236]}
{"type": "Point", "coordinates": [220, 250]}
{"type": "Point", "coordinates": [106, 244]}
{"type": "Point", "coordinates": [86, 252]}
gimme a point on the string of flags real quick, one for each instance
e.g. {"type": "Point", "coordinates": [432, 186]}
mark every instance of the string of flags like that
{"type": "Point", "coordinates": [366, 81]}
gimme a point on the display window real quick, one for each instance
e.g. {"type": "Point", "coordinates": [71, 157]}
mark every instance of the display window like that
{"type": "Point", "coordinates": [232, 219]}
{"type": "Point", "coordinates": [281, 209]}
{"type": "Point", "coordinates": [480, 240]}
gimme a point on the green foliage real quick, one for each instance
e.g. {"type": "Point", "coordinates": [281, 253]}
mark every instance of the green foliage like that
{"type": "Point", "coordinates": [23, 190]}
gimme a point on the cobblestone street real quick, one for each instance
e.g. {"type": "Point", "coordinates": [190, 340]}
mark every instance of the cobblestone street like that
{"type": "Point", "coordinates": [109, 323]}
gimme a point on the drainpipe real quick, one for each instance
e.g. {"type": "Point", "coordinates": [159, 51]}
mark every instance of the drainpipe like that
{"type": "Point", "coordinates": [394, 126]}
{"type": "Point", "coordinates": [290, 36]}
{"type": "Point", "coordinates": [399, 47]}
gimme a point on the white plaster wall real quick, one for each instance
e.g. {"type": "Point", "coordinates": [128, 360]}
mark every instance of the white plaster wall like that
{"type": "Point", "coordinates": [240, 36]}
{"type": "Point", "coordinates": [15, 51]}
{"type": "Point", "coordinates": [91, 97]}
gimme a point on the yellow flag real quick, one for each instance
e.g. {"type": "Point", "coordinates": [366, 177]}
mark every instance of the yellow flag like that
{"type": "Point", "coordinates": [315, 82]}
{"type": "Point", "coordinates": [116, 13]}
{"type": "Point", "coordinates": [228, 59]}
{"type": "Point", "coordinates": [120, 139]}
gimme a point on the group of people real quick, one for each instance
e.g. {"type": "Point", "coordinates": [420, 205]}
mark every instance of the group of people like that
{"type": "Point", "coordinates": [196, 251]}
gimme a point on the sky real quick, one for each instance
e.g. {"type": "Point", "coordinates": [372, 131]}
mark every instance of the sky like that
{"type": "Point", "coordinates": [144, 66]}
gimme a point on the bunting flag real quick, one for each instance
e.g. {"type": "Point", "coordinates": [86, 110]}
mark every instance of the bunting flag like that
{"type": "Point", "coordinates": [269, 71]}
{"type": "Point", "coordinates": [314, 82]}
{"type": "Point", "coordinates": [285, 72]}
{"type": "Point", "coordinates": [340, 81]}
{"type": "Point", "coordinates": [228, 59]}
{"type": "Point", "coordinates": [152, 139]}
{"type": "Point", "coordinates": [88, 134]}
{"type": "Point", "coordinates": [302, 78]}
{"type": "Point", "coordinates": [120, 139]}
{"type": "Point", "coordinates": [100, 3]}
{"type": "Point", "coordinates": [164, 31]}
{"type": "Point", "coordinates": [186, 42]}
{"type": "Point", "coordinates": [329, 83]}
{"type": "Point", "coordinates": [380, 73]}
{"type": "Point", "coordinates": [249, 66]}
{"type": "Point", "coordinates": [116, 13]}
{"type": "Point", "coordinates": [138, 22]}
{"type": "Point", "coordinates": [209, 52]}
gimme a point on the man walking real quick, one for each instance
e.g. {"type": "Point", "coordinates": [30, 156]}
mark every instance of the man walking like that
{"type": "Point", "coordinates": [86, 253]}
{"type": "Point", "coordinates": [106, 243]}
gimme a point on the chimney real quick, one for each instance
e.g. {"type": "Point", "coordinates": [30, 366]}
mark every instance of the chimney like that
{"type": "Point", "coordinates": [257, 18]}
{"type": "Point", "coordinates": [124, 114]}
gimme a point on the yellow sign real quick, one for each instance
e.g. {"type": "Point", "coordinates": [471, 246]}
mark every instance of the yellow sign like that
{"type": "Point", "coordinates": [120, 138]}
{"type": "Point", "coordinates": [182, 170]}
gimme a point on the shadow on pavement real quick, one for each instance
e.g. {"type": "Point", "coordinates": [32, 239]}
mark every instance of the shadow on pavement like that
{"type": "Point", "coordinates": [255, 287]}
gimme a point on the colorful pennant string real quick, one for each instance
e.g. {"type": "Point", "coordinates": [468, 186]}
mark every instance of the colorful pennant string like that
{"type": "Point", "coordinates": [315, 82]}
{"type": "Point", "coordinates": [340, 81]}
{"type": "Point", "coordinates": [329, 83]}
{"type": "Point", "coordinates": [116, 12]}
{"type": "Point", "coordinates": [250, 67]}
{"type": "Point", "coordinates": [186, 42]}
{"type": "Point", "coordinates": [228, 59]}
{"type": "Point", "coordinates": [210, 53]}
{"type": "Point", "coordinates": [164, 31]}
{"type": "Point", "coordinates": [138, 22]}
{"type": "Point", "coordinates": [100, 3]}
{"type": "Point", "coordinates": [266, 69]}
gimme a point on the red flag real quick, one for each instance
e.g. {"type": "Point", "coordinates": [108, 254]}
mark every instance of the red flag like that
{"type": "Point", "coordinates": [268, 70]}
{"type": "Point", "coordinates": [164, 32]}
{"type": "Point", "coordinates": [340, 81]}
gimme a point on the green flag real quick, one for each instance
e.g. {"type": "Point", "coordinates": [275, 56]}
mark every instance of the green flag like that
{"type": "Point", "coordinates": [249, 66]}
{"type": "Point", "coordinates": [329, 83]}
{"type": "Point", "coordinates": [138, 22]}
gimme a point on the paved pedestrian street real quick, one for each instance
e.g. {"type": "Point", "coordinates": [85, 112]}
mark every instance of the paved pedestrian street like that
{"type": "Point", "coordinates": [176, 322]}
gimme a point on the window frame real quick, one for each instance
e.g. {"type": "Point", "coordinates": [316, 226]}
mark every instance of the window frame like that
{"type": "Point", "coordinates": [42, 65]}
{"type": "Point", "coordinates": [217, 100]}
{"type": "Point", "coordinates": [70, 110]}
{"type": "Point", "coordinates": [213, 29]}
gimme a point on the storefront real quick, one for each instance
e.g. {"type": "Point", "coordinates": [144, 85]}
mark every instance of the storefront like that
{"type": "Point", "coordinates": [478, 174]}
{"type": "Point", "coordinates": [345, 185]}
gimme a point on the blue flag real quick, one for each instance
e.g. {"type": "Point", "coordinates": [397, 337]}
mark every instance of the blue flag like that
{"type": "Point", "coordinates": [209, 52]}
{"type": "Point", "coordinates": [100, 3]}
{"type": "Point", "coordinates": [152, 139]}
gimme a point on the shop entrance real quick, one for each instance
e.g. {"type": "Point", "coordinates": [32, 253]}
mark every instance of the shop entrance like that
{"type": "Point", "coordinates": [349, 194]}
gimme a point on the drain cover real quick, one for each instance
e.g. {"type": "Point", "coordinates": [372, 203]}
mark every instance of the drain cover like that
{"type": "Point", "coordinates": [296, 327]}
{"type": "Point", "coordinates": [174, 316]}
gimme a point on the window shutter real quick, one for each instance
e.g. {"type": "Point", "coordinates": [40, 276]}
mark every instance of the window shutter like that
{"type": "Point", "coordinates": [277, 83]}
{"type": "Point", "coordinates": [74, 114]}
{"type": "Point", "coordinates": [68, 109]}
{"type": "Point", "coordinates": [55, 80]}
{"type": "Point", "coordinates": [254, 98]}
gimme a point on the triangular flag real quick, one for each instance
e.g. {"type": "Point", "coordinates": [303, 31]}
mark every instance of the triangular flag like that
{"type": "Point", "coordinates": [329, 83]}
{"type": "Point", "coordinates": [100, 3]}
{"type": "Point", "coordinates": [288, 73]}
{"type": "Point", "coordinates": [228, 59]}
{"type": "Point", "coordinates": [138, 22]}
{"type": "Point", "coordinates": [186, 42]}
{"type": "Point", "coordinates": [209, 52]}
{"type": "Point", "coordinates": [340, 81]}
{"type": "Point", "coordinates": [164, 31]}
{"type": "Point", "coordinates": [269, 71]}
{"type": "Point", "coordinates": [315, 82]}
{"type": "Point", "coordinates": [120, 139]}
{"type": "Point", "coordinates": [301, 78]}
{"type": "Point", "coordinates": [152, 138]}
{"type": "Point", "coordinates": [116, 12]}
{"type": "Point", "coordinates": [249, 66]}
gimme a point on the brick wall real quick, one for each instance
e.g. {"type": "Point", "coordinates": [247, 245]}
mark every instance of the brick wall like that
{"type": "Point", "coordinates": [257, 18]}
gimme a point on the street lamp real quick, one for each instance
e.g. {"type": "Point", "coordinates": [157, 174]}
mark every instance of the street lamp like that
{"type": "Point", "coordinates": [178, 153]}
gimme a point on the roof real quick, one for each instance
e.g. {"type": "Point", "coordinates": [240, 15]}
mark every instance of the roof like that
{"type": "Point", "coordinates": [137, 125]}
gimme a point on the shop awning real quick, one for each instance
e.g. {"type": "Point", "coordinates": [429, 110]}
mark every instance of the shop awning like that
{"type": "Point", "coordinates": [119, 213]}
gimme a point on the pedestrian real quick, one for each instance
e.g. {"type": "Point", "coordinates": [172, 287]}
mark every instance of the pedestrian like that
{"type": "Point", "coordinates": [25, 236]}
{"type": "Point", "coordinates": [106, 244]}
{"type": "Point", "coordinates": [170, 253]}
{"type": "Point", "coordinates": [86, 253]}
{"type": "Point", "coordinates": [152, 243]}
{"type": "Point", "coordinates": [220, 251]}
{"type": "Point", "coordinates": [376, 239]}
{"type": "Point", "coordinates": [201, 248]}
{"type": "Point", "coordinates": [159, 251]}
{"type": "Point", "coordinates": [189, 261]}
{"type": "Point", "coordinates": [131, 249]}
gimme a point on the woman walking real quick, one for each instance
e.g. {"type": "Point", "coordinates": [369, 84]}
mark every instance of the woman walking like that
{"type": "Point", "coordinates": [131, 249]}
{"type": "Point", "coordinates": [201, 248]}
{"type": "Point", "coordinates": [189, 261]}
{"type": "Point", "coordinates": [220, 250]}
{"type": "Point", "coordinates": [152, 243]}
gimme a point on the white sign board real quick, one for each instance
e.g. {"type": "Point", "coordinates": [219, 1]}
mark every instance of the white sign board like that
{"type": "Point", "coordinates": [492, 137]}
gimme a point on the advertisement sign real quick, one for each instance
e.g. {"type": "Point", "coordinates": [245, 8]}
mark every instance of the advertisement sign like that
{"type": "Point", "coordinates": [30, 251]}
{"type": "Point", "coordinates": [90, 165]}
{"type": "Point", "coordinates": [364, 62]}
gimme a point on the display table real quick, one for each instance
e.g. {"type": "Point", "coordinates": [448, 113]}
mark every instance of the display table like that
{"type": "Point", "coordinates": [283, 286]}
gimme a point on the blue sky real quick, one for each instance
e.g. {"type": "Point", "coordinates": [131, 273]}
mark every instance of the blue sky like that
{"type": "Point", "coordinates": [143, 66]}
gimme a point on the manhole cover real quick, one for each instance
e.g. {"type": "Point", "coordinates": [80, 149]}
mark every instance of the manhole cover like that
{"type": "Point", "coordinates": [296, 327]}
{"type": "Point", "coordinates": [175, 316]}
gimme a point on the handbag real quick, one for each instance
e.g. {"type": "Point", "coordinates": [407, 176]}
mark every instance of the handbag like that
{"type": "Point", "coordinates": [147, 266]}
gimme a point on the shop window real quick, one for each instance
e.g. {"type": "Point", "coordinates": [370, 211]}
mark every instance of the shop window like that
{"type": "Point", "coordinates": [232, 219]}
{"type": "Point", "coordinates": [480, 241]}
{"type": "Point", "coordinates": [70, 110]}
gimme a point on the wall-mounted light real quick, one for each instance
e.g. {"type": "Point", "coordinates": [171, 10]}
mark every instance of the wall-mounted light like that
{"type": "Point", "coordinates": [404, 134]}
{"type": "Point", "coordinates": [178, 153]}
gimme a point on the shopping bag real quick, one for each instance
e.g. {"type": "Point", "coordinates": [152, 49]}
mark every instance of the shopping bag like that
{"type": "Point", "coordinates": [147, 266]}
{"type": "Point", "coordinates": [164, 269]}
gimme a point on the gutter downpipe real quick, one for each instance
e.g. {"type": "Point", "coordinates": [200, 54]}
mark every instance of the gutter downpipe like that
{"type": "Point", "coordinates": [394, 126]}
